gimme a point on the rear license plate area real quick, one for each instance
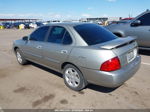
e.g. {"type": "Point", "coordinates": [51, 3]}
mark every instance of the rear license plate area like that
{"type": "Point", "coordinates": [131, 55]}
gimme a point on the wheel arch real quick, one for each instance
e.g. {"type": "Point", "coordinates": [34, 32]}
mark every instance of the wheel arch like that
{"type": "Point", "coordinates": [118, 34]}
{"type": "Point", "coordinates": [66, 63]}
{"type": "Point", "coordinates": [15, 48]}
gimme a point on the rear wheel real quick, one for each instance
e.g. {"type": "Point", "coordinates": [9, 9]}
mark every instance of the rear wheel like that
{"type": "Point", "coordinates": [21, 60]}
{"type": "Point", "coordinates": [73, 78]}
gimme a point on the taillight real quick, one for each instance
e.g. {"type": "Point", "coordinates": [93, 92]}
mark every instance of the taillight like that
{"type": "Point", "coordinates": [111, 65]}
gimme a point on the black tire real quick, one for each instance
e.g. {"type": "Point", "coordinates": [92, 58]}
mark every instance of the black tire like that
{"type": "Point", "coordinates": [24, 61]}
{"type": "Point", "coordinates": [81, 85]}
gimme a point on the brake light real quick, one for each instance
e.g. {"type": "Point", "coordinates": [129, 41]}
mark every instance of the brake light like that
{"type": "Point", "coordinates": [111, 65]}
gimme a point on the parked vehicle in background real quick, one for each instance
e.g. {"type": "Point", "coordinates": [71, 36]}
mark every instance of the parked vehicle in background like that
{"type": "Point", "coordinates": [138, 27]}
{"type": "Point", "coordinates": [83, 52]}
{"type": "Point", "coordinates": [33, 25]}
{"type": "Point", "coordinates": [1, 26]}
{"type": "Point", "coordinates": [8, 25]}
{"type": "Point", "coordinates": [129, 18]}
{"type": "Point", "coordinates": [118, 22]}
{"type": "Point", "coordinates": [21, 26]}
{"type": "Point", "coordinates": [39, 24]}
{"type": "Point", "coordinates": [27, 25]}
{"type": "Point", "coordinates": [16, 24]}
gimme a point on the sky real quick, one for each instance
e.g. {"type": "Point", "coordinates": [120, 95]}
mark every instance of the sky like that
{"type": "Point", "coordinates": [71, 9]}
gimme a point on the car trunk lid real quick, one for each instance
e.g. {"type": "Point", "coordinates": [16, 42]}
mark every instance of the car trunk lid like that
{"type": "Point", "coordinates": [124, 48]}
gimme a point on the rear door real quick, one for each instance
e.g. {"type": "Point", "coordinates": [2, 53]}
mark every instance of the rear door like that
{"type": "Point", "coordinates": [142, 32]}
{"type": "Point", "coordinates": [34, 46]}
{"type": "Point", "coordinates": [58, 47]}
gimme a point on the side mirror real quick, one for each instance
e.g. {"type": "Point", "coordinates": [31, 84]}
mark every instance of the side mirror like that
{"type": "Point", "coordinates": [136, 23]}
{"type": "Point", "coordinates": [25, 38]}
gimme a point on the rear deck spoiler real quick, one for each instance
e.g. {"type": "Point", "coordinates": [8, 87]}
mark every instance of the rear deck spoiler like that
{"type": "Point", "coordinates": [120, 42]}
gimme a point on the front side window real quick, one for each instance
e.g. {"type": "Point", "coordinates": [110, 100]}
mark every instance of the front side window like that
{"type": "Point", "coordinates": [94, 34]}
{"type": "Point", "coordinates": [56, 35]}
{"type": "Point", "coordinates": [39, 34]}
{"type": "Point", "coordinates": [59, 35]}
{"type": "Point", "coordinates": [145, 20]}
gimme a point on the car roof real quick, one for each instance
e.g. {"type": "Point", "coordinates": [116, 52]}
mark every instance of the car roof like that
{"type": "Point", "coordinates": [72, 24]}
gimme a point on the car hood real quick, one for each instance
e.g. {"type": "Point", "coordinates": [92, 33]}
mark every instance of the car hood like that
{"type": "Point", "coordinates": [114, 26]}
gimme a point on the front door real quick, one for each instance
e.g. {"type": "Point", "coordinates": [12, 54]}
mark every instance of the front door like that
{"type": "Point", "coordinates": [33, 49]}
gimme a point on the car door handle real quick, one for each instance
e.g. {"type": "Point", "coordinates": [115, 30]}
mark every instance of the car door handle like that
{"type": "Point", "coordinates": [39, 47]}
{"type": "Point", "coordinates": [64, 51]}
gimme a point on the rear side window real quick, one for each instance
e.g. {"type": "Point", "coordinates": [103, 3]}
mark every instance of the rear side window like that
{"type": "Point", "coordinates": [39, 34]}
{"type": "Point", "coordinates": [145, 19]}
{"type": "Point", "coordinates": [94, 34]}
{"type": "Point", "coordinates": [67, 38]}
{"type": "Point", "coordinates": [59, 35]}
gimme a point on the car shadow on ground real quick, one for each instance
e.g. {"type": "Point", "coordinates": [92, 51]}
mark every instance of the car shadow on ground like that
{"type": "Point", "coordinates": [144, 52]}
{"type": "Point", "coordinates": [100, 88]}
{"type": "Point", "coordinates": [90, 86]}
{"type": "Point", "coordinates": [47, 69]}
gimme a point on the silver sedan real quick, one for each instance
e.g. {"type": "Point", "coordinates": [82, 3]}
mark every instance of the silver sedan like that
{"type": "Point", "coordinates": [83, 52]}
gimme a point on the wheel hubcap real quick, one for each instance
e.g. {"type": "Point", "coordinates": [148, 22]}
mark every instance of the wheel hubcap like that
{"type": "Point", "coordinates": [72, 77]}
{"type": "Point", "coordinates": [19, 58]}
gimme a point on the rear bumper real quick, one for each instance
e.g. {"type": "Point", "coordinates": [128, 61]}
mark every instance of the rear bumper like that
{"type": "Point", "coordinates": [144, 48]}
{"type": "Point", "coordinates": [112, 79]}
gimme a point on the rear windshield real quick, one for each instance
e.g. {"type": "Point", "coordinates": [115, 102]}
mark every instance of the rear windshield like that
{"type": "Point", "coordinates": [94, 34]}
